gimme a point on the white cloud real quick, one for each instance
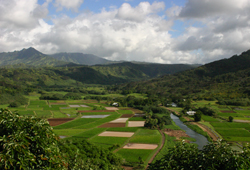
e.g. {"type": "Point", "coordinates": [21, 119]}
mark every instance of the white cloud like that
{"type": "Point", "coordinates": [130, 33]}
{"type": "Point", "coordinates": [68, 4]}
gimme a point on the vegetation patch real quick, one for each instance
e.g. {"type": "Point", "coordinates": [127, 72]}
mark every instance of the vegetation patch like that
{"type": "Point", "coordinates": [133, 155]}
{"type": "Point", "coordinates": [68, 132]}
{"type": "Point", "coordinates": [125, 111]}
{"type": "Point", "coordinates": [99, 122]}
{"type": "Point", "coordinates": [234, 132]}
{"type": "Point", "coordinates": [209, 118]}
{"type": "Point", "coordinates": [123, 129]}
{"type": "Point", "coordinates": [146, 136]}
{"type": "Point", "coordinates": [75, 123]}
{"type": "Point", "coordinates": [108, 140]}
{"type": "Point", "coordinates": [90, 133]}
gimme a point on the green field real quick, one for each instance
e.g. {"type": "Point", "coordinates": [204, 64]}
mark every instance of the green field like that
{"type": "Point", "coordinates": [132, 155]}
{"type": "Point", "coordinates": [146, 136]}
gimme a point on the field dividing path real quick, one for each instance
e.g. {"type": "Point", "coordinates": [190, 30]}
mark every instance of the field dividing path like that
{"type": "Point", "coordinates": [159, 149]}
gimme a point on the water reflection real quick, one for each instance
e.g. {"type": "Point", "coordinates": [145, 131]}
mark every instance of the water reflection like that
{"type": "Point", "coordinates": [200, 139]}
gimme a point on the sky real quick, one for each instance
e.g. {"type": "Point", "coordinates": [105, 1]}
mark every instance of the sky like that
{"type": "Point", "coordinates": [170, 31]}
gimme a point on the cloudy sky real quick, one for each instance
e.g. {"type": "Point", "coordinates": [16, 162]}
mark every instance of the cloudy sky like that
{"type": "Point", "coordinates": [170, 31]}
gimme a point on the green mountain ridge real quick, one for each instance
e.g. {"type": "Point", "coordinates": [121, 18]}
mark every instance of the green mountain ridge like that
{"type": "Point", "coordinates": [80, 58]}
{"type": "Point", "coordinates": [223, 78]}
{"type": "Point", "coordinates": [29, 57]}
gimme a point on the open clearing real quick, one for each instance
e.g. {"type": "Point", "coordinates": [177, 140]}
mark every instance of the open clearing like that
{"type": "Point", "coordinates": [176, 133]}
{"type": "Point", "coordinates": [140, 146]}
{"type": "Point", "coordinates": [111, 108]}
{"type": "Point", "coordinates": [116, 134]}
{"type": "Point", "coordinates": [136, 123]}
{"type": "Point", "coordinates": [58, 121]}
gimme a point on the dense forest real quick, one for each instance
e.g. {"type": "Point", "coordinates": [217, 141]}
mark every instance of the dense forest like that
{"type": "Point", "coordinates": [227, 79]}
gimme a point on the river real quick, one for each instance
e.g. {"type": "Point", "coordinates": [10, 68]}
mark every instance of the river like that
{"type": "Point", "coordinates": [200, 139]}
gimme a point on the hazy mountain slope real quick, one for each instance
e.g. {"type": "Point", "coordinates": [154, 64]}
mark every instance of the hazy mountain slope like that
{"type": "Point", "coordinates": [80, 58]}
{"type": "Point", "coordinates": [28, 57]}
{"type": "Point", "coordinates": [227, 77]}
{"type": "Point", "coordinates": [144, 70]}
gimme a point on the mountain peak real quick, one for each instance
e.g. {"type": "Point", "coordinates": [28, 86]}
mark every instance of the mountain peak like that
{"type": "Point", "coordinates": [26, 53]}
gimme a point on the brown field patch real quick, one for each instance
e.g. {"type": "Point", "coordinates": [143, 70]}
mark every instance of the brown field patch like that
{"type": "Point", "coordinates": [175, 133]}
{"type": "Point", "coordinates": [140, 146]}
{"type": "Point", "coordinates": [133, 110]}
{"type": "Point", "coordinates": [127, 115]}
{"type": "Point", "coordinates": [116, 134]}
{"type": "Point", "coordinates": [136, 123]}
{"type": "Point", "coordinates": [227, 111]}
{"type": "Point", "coordinates": [241, 121]}
{"type": "Point", "coordinates": [90, 111]}
{"type": "Point", "coordinates": [112, 125]}
{"type": "Point", "coordinates": [119, 120]}
{"type": "Point", "coordinates": [111, 108]}
{"type": "Point", "coordinates": [58, 121]}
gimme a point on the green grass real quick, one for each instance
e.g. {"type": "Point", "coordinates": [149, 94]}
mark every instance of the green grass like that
{"type": "Point", "coordinates": [90, 133]}
{"type": "Point", "coordinates": [169, 143]}
{"type": "Point", "coordinates": [173, 126]}
{"type": "Point", "coordinates": [125, 111]}
{"type": "Point", "coordinates": [234, 132]}
{"type": "Point", "coordinates": [68, 132]}
{"type": "Point", "coordinates": [108, 140]}
{"type": "Point", "coordinates": [100, 122]}
{"type": "Point", "coordinates": [229, 114]}
{"type": "Point", "coordinates": [124, 129]}
{"type": "Point", "coordinates": [209, 119]}
{"type": "Point", "coordinates": [76, 124]}
{"type": "Point", "coordinates": [136, 119]}
{"type": "Point", "coordinates": [98, 113]}
{"type": "Point", "coordinates": [29, 112]}
{"type": "Point", "coordinates": [146, 136]}
{"type": "Point", "coordinates": [43, 114]}
{"type": "Point", "coordinates": [58, 114]}
{"type": "Point", "coordinates": [236, 139]}
{"type": "Point", "coordinates": [230, 125]}
{"type": "Point", "coordinates": [132, 155]}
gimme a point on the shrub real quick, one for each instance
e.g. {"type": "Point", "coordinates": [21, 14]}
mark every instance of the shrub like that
{"type": "Point", "coordinates": [27, 143]}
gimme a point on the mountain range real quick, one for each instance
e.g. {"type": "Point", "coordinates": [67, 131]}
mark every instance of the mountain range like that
{"type": "Point", "coordinates": [226, 78]}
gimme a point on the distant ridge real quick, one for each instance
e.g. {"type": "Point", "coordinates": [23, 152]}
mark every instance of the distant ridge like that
{"type": "Point", "coordinates": [80, 58]}
{"type": "Point", "coordinates": [29, 57]}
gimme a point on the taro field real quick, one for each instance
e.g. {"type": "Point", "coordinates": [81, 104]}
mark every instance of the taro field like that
{"type": "Point", "coordinates": [118, 129]}
{"type": "Point", "coordinates": [237, 131]}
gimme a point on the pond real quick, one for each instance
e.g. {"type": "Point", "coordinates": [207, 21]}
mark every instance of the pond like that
{"type": "Point", "coordinates": [200, 139]}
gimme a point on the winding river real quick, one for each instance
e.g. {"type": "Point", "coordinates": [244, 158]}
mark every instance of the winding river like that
{"type": "Point", "coordinates": [200, 139]}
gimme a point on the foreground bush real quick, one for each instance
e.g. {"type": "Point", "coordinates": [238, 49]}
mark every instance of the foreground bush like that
{"type": "Point", "coordinates": [214, 156]}
{"type": "Point", "coordinates": [27, 143]}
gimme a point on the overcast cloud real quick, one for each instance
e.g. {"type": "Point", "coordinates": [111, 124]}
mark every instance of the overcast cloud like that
{"type": "Point", "coordinates": [213, 30]}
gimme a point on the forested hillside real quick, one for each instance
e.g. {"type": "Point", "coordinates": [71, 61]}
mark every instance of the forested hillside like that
{"type": "Point", "coordinates": [29, 57]}
{"type": "Point", "coordinates": [223, 78]}
{"type": "Point", "coordinates": [80, 58]}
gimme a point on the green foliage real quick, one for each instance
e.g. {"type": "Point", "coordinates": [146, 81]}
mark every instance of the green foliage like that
{"type": "Point", "coordinates": [15, 104]}
{"type": "Point", "coordinates": [230, 118]}
{"type": "Point", "coordinates": [81, 154]}
{"type": "Point", "coordinates": [213, 156]}
{"type": "Point", "coordinates": [27, 143]}
{"type": "Point", "coordinates": [197, 116]}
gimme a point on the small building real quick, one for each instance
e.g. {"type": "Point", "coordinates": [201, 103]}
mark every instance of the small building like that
{"type": "Point", "coordinates": [115, 104]}
{"type": "Point", "coordinates": [174, 104]}
{"type": "Point", "coordinates": [191, 113]}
